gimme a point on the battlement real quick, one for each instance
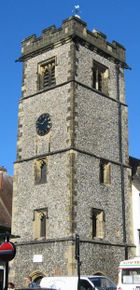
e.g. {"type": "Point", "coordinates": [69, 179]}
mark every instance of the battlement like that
{"type": "Point", "coordinates": [72, 28]}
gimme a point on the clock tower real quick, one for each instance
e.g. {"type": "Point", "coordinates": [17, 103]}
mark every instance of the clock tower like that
{"type": "Point", "coordinates": [71, 172]}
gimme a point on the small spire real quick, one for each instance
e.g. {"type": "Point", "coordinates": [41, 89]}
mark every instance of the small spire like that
{"type": "Point", "coordinates": [76, 10]}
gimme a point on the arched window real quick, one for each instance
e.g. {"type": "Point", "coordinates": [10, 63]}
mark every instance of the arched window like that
{"type": "Point", "coordinates": [41, 171]}
{"type": "Point", "coordinates": [98, 221]}
{"type": "Point", "coordinates": [49, 75]}
{"type": "Point", "coordinates": [46, 74]}
{"type": "Point", "coordinates": [105, 172]}
{"type": "Point", "coordinates": [42, 225]}
{"type": "Point", "coordinates": [40, 217]}
{"type": "Point", "coordinates": [36, 277]}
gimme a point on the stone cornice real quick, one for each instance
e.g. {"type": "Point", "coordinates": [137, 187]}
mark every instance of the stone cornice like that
{"type": "Point", "coordinates": [67, 150]}
{"type": "Point", "coordinates": [76, 82]}
{"type": "Point", "coordinates": [72, 239]}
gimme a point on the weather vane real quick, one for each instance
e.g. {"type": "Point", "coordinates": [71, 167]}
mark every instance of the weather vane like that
{"type": "Point", "coordinates": [76, 10]}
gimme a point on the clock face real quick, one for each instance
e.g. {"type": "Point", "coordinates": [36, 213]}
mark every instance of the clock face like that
{"type": "Point", "coordinates": [43, 124]}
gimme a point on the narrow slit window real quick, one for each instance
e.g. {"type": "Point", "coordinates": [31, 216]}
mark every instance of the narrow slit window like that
{"type": "Point", "coordinates": [105, 172]}
{"type": "Point", "coordinates": [43, 225]}
{"type": "Point", "coordinates": [40, 217]}
{"type": "Point", "coordinates": [41, 171]}
{"type": "Point", "coordinates": [98, 220]}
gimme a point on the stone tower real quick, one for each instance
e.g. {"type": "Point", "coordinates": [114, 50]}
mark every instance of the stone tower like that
{"type": "Point", "coordinates": [71, 172]}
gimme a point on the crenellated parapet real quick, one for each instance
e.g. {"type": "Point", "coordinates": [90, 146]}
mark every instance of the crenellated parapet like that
{"type": "Point", "coordinates": [76, 29]}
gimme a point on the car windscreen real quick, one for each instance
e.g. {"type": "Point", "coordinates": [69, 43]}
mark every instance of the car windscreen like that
{"type": "Point", "coordinates": [102, 282]}
{"type": "Point", "coordinates": [96, 281]}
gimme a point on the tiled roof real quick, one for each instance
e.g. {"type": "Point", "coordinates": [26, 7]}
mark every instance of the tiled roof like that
{"type": "Point", "coordinates": [6, 191]}
{"type": "Point", "coordinates": [135, 165]}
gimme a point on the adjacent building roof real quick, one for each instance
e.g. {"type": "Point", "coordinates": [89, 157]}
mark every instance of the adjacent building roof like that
{"type": "Point", "coordinates": [6, 191]}
{"type": "Point", "coordinates": [135, 165]}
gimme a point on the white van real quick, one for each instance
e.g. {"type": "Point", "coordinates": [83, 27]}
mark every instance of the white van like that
{"type": "Point", "coordinates": [71, 283]}
{"type": "Point", "coordinates": [129, 274]}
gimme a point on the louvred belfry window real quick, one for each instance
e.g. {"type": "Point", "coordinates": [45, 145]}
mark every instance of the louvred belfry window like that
{"type": "Point", "coordinates": [46, 73]}
{"type": "Point", "coordinates": [49, 75]}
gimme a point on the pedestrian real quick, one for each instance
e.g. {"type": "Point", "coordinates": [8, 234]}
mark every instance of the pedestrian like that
{"type": "Point", "coordinates": [11, 286]}
{"type": "Point", "coordinates": [31, 284]}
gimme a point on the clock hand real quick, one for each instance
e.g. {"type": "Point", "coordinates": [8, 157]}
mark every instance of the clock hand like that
{"type": "Point", "coordinates": [43, 121]}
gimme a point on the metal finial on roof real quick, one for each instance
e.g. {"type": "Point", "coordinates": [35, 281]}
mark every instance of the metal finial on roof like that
{"type": "Point", "coordinates": [3, 169]}
{"type": "Point", "coordinates": [76, 10]}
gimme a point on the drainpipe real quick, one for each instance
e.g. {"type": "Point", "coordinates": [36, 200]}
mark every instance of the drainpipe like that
{"type": "Point", "coordinates": [121, 160]}
{"type": "Point", "coordinates": [77, 257]}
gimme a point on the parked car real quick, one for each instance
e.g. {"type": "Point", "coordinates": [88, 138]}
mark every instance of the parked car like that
{"type": "Point", "coordinates": [36, 288]}
{"type": "Point", "coordinates": [71, 283]}
{"type": "Point", "coordinates": [102, 283]}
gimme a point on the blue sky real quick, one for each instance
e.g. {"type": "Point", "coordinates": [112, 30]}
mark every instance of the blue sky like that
{"type": "Point", "coordinates": [118, 19]}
